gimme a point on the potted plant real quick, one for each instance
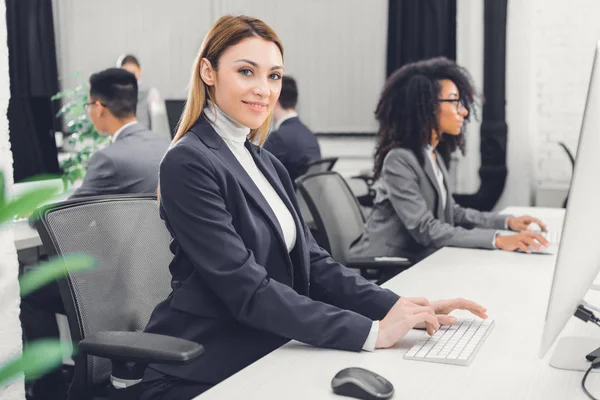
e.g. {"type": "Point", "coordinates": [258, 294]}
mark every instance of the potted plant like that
{"type": "Point", "coordinates": [83, 140]}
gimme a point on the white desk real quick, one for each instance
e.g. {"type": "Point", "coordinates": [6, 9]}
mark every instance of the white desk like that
{"type": "Point", "coordinates": [25, 236]}
{"type": "Point", "coordinates": [515, 289]}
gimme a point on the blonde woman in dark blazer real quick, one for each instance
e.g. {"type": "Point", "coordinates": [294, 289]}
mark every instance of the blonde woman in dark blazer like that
{"type": "Point", "coordinates": [422, 114]}
{"type": "Point", "coordinates": [247, 275]}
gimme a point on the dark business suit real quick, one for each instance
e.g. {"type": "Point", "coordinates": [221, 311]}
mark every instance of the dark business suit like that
{"type": "Point", "coordinates": [236, 289]}
{"type": "Point", "coordinates": [408, 218]}
{"type": "Point", "coordinates": [129, 165]}
{"type": "Point", "coordinates": [295, 146]}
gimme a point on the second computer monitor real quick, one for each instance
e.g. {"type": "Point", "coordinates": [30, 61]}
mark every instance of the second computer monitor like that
{"type": "Point", "coordinates": [578, 259]}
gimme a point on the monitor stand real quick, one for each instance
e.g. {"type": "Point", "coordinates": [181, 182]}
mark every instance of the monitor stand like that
{"type": "Point", "coordinates": [570, 353]}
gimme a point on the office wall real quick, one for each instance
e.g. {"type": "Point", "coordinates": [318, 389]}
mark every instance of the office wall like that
{"type": "Point", "coordinates": [335, 48]}
{"type": "Point", "coordinates": [10, 328]}
{"type": "Point", "coordinates": [550, 46]}
{"type": "Point", "coordinates": [550, 51]}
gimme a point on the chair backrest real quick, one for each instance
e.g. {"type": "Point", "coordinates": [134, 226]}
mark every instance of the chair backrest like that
{"type": "Point", "coordinates": [568, 152]}
{"type": "Point", "coordinates": [335, 211]}
{"type": "Point", "coordinates": [131, 246]}
{"type": "Point", "coordinates": [322, 165]}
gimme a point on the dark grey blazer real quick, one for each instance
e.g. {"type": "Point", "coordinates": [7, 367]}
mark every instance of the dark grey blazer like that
{"type": "Point", "coordinates": [408, 219]}
{"type": "Point", "coordinates": [129, 165]}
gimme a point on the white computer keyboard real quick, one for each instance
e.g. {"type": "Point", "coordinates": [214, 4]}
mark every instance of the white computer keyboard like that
{"type": "Point", "coordinates": [456, 344]}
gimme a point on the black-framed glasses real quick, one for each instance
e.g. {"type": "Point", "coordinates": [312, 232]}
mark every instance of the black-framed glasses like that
{"type": "Point", "coordinates": [86, 106]}
{"type": "Point", "coordinates": [458, 103]}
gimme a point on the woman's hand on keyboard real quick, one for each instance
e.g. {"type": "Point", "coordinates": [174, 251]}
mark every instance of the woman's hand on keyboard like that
{"type": "Point", "coordinates": [404, 316]}
{"type": "Point", "coordinates": [522, 241]}
{"type": "Point", "coordinates": [444, 307]}
{"type": "Point", "coordinates": [520, 224]}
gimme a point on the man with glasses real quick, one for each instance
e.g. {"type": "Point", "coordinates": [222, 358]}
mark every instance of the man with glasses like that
{"type": "Point", "coordinates": [130, 164]}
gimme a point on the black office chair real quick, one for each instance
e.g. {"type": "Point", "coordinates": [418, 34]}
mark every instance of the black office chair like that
{"type": "Point", "coordinates": [108, 306]}
{"type": "Point", "coordinates": [366, 200]}
{"type": "Point", "coordinates": [339, 221]}
{"type": "Point", "coordinates": [322, 165]}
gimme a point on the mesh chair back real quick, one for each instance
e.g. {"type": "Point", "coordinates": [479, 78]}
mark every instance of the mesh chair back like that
{"type": "Point", "coordinates": [323, 165]}
{"type": "Point", "coordinates": [131, 245]}
{"type": "Point", "coordinates": [335, 211]}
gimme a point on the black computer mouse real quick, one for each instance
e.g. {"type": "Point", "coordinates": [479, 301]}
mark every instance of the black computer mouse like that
{"type": "Point", "coordinates": [361, 384]}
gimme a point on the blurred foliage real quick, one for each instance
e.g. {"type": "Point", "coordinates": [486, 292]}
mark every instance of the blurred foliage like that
{"type": "Point", "coordinates": [41, 356]}
{"type": "Point", "coordinates": [81, 135]}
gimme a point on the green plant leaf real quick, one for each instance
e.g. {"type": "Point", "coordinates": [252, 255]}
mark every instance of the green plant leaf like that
{"type": "Point", "coordinates": [41, 177]}
{"type": "Point", "coordinates": [38, 358]}
{"type": "Point", "coordinates": [2, 190]}
{"type": "Point", "coordinates": [57, 268]}
{"type": "Point", "coordinates": [26, 203]}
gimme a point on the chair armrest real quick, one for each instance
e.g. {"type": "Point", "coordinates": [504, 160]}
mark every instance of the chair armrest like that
{"type": "Point", "coordinates": [366, 179]}
{"type": "Point", "coordinates": [141, 347]}
{"type": "Point", "coordinates": [379, 263]}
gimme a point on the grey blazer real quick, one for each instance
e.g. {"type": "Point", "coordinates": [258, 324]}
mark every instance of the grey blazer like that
{"type": "Point", "coordinates": [408, 219]}
{"type": "Point", "coordinates": [127, 166]}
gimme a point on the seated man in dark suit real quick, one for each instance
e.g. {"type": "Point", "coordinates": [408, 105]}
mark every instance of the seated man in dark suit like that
{"type": "Point", "coordinates": [291, 142]}
{"type": "Point", "coordinates": [130, 163]}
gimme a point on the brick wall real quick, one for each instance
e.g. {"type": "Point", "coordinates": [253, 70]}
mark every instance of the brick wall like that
{"type": "Point", "coordinates": [564, 37]}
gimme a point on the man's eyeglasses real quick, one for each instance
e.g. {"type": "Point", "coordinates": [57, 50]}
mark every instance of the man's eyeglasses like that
{"type": "Point", "coordinates": [87, 105]}
{"type": "Point", "coordinates": [458, 103]}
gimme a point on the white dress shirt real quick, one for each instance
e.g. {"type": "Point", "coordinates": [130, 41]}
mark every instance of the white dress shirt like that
{"type": "Point", "coordinates": [121, 129]}
{"type": "Point", "coordinates": [278, 123]}
{"type": "Point", "coordinates": [438, 175]}
{"type": "Point", "coordinates": [234, 135]}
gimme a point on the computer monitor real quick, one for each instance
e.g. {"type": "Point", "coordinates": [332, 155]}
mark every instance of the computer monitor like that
{"type": "Point", "coordinates": [578, 259]}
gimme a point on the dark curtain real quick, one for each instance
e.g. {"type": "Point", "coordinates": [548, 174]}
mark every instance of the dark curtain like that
{"type": "Point", "coordinates": [33, 80]}
{"type": "Point", "coordinates": [420, 29]}
{"type": "Point", "coordinates": [494, 131]}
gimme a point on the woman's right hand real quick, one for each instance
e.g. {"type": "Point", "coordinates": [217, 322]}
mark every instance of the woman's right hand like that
{"type": "Point", "coordinates": [522, 241]}
{"type": "Point", "coordinates": [404, 316]}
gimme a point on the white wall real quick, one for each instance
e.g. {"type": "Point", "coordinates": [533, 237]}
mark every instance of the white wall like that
{"type": "Point", "coordinates": [549, 53]}
{"type": "Point", "coordinates": [335, 48]}
{"type": "Point", "coordinates": [10, 327]}
{"type": "Point", "coordinates": [550, 58]}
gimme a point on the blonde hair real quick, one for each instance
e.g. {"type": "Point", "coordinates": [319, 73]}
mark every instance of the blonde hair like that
{"type": "Point", "coordinates": [226, 32]}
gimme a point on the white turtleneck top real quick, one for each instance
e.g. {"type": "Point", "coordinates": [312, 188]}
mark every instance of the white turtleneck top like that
{"type": "Point", "coordinates": [235, 135]}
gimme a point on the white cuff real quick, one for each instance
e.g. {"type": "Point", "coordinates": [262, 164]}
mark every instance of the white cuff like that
{"type": "Point", "coordinates": [372, 338]}
{"type": "Point", "coordinates": [494, 239]}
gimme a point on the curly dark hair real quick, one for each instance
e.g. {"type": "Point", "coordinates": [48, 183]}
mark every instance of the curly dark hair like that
{"type": "Point", "coordinates": [407, 109]}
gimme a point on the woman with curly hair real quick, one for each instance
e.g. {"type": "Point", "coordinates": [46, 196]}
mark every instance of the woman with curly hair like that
{"type": "Point", "coordinates": [422, 113]}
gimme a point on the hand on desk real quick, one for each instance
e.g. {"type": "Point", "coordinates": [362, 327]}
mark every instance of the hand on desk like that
{"type": "Point", "coordinates": [522, 241]}
{"type": "Point", "coordinates": [520, 224]}
{"type": "Point", "coordinates": [409, 313]}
